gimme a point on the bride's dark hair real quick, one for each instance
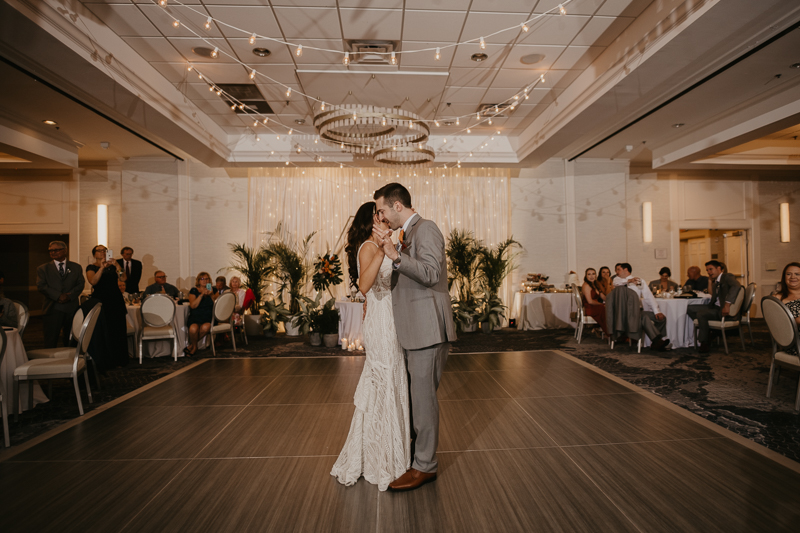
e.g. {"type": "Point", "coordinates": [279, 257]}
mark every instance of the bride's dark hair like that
{"type": "Point", "coordinates": [360, 230]}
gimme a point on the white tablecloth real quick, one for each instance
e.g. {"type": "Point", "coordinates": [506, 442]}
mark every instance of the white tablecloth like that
{"type": "Point", "coordinates": [159, 348]}
{"type": "Point", "coordinates": [543, 310]}
{"type": "Point", "coordinates": [350, 319]}
{"type": "Point", "coordinates": [16, 356]}
{"type": "Point", "coordinates": [680, 330]}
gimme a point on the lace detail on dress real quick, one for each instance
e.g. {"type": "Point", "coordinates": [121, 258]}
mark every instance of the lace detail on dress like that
{"type": "Point", "coordinates": [378, 443]}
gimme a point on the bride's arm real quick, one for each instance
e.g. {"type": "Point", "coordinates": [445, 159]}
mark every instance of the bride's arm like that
{"type": "Point", "coordinates": [372, 256]}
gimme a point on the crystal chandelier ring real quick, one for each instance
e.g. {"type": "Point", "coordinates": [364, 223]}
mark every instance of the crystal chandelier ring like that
{"type": "Point", "coordinates": [404, 156]}
{"type": "Point", "coordinates": [365, 128]}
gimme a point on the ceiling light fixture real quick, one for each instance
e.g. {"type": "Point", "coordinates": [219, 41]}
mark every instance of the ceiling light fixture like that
{"type": "Point", "coordinates": [50, 122]}
{"type": "Point", "coordinates": [261, 52]}
{"type": "Point", "coordinates": [479, 57]}
{"type": "Point", "coordinates": [678, 125]}
{"type": "Point", "coordinates": [300, 121]}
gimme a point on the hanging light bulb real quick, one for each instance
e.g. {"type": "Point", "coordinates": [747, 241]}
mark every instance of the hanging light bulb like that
{"type": "Point", "coordinates": [219, 92]}
{"type": "Point", "coordinates": [469, 130]}
{"type": "Point", "coordinates": [258, 138]}
{"type": "Point", "coordinates": [255, 123]}
{"type": "Point", "coordinates": [208, 23]}
{"type": "Point", "coordinates": [341, 165]}
{"type": "Point", "coordinates": [516, 97]}
{"type": "Point", "coordinates": [438, 55]}
{"type": "Point", "coordinates": [383, 121]}
{"type": "Point", "coordinates": [316, 141]}
{"type": "Point", "coordinates": [162, 3]}
{"type": "Point", "coordinates": [288, 92]}
{"type": "Point", "coordinates": [346, 59]}
{"type": "Point", "coordinates": [190, 68]}
{"type": "Point", "coordinates": [526, 97]}
{"type": "Point", "coordinates": [470, 154]}
{"type": "Point", "coordinates": [444, 141]}
{"type": "Point", "coordinates": [233, 107]}
{"type": "Point", "coordinates": [478, 115]}
{"type": "Point", "coordinates": [322, 108]}
{"type": "Point", "coordinates": [394, 59]}
{"type": "Point", "coordinates": [490, 122]}
{"type": "Point", "coordinates": [287, 163]}
{"type": "Point", "coordinates": [253, 39]}
{"type": "Point", "coordinates": [436, 122]}
{"type": "Point", "coordinates": [524, 27]}
{"type": "Point", "coordinates": [215, 53]}
{"type": "Point", "coordinates": [241, 106]}
{"type": "Point", "coordinates": [561, 9]}
{"type": "Point", "coordinates": [290, 132]}
{"type": "Point", "coordinates": [199, 75]}
{"type": "Point", "coordinates": [298, 148]}
{"type": "Point", "coordinates": [299, 51]}
{"type": "Point", "coordinates": [211, 88]}
{"type": "Point", "coordinates": [458, 123]}
{"type": "Point", "coordinates": [176, 23]}
{"type": "Point", "coordinates": [278, 137]}
{"type": "Point", "coordinates": [541, 78]}
{"type": "Point", "coordinates": [252, 74]}
{"type": "Point", "coordinates": [265, 120]}
{"type": "Point", "coordinates": [483, 44]}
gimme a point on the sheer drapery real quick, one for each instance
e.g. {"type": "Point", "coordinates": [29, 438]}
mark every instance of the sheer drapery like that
{"type": "Point", "coordinates": [324, 199]}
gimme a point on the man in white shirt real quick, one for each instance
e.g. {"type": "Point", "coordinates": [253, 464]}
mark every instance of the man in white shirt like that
{"type": "Point", "coordinates": [654, 322]}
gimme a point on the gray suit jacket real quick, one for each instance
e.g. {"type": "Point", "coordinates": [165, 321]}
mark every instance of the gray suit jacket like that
{"type": "Point", "coordinates": [423, 315]}
{"type": "Point", "coordinates": [729, 288]}
{"type": "Point", "coordinates": [49, 283]}
{"type": "Point", "coordinates": [623, 313]}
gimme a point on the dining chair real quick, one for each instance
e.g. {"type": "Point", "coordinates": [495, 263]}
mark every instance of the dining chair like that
{"type": "Point", "coordinates": [23, 315]}
{"type": "Point", "coordinates": [726, 323]}
{"type": "Point", "coordinates": [783, 331]}
{"type": "Point", "coordinates": [60, 368]}
{"type": "Point", "coordinates": [158, 315]}
{"type": "Point", "coordinates": [3, 395]}
{"type": "Point", "coordinates": [222, 319]}
{"type": "Point", "coordinates": [65, 351]}
{"type": "Point", "coordinates": [749, 296]}
{"type": "Point", "coordinates": [581, 318]}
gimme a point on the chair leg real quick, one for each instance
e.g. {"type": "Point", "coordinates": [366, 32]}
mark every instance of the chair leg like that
{"type": "Point", "coordinates": [16, 404]}
{"type": "Point", "coordinates": [77, 394]}
{"type": "Point", "coordinates": [4, 414]}
{"type": "Point", "coordinates": [141, 341]}
{"type": "Point", "coordinates": [213, 348]}
{"type": "Point", "coordinates": [639, 345]}
{"type": "Point", "coordinates": [695, 337]}
{"type": "Point", "coordinates": [750, 329]}
{"type": "Point", "coordinates": [233, 338]}
{"type": "Point", "coordinates": [96, 373]}
{"type": "Point", "coordinates": [88, 388]}
{"type": "Point", "coordinates": [724, 340]}
{"type": "Point", "coordinates": [771, 373]}
{"type": "Point", "coordinates": [796, 398]}
{"type": "Point", "coordinates": [741, 337]}
{"type": "Point", "coordinates": [579, 332]}
{"type": "Point", "coordinates": [175, 347]}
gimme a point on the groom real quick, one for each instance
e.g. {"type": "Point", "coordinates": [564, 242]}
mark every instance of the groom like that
{"type": "Point", "coordinates": [423, 318]}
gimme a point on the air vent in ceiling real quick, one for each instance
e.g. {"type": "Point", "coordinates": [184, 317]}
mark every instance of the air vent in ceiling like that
{"type": "Point", "coordinates": [494, 110]}
{"type": "Point", "coordinates": [247, 94]}
{"type": "Point", "coordinates": [372, 52]}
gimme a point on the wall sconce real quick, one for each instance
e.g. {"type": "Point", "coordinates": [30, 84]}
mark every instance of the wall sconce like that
{"type": "Point", "coordinates": [102, 224]}
{"type": "Point", "coordinates": [647, 221]}
{"type": "Point", "coordinates": [785, 237]}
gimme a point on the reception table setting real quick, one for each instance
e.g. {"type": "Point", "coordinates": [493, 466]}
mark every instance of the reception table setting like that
{"type": "Point", "coordinates": [157, 348]}
{"type": "Point", "coordinates": [680, 330]}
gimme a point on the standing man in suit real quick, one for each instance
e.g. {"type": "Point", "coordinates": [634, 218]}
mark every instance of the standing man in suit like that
{"type": "Point", "coordinates": [61, 282]}
{"type": "Point", "coordinates": [132, 269]}
{"type": "Point", "coordinates": [423, 317]}
{"type": "Point", "coordinates": [724, 289]}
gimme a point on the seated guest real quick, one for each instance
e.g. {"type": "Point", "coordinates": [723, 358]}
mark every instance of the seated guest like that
{"type": "Point", "coordinates": [8, 311]}
{"type": "Point", "coordinates": [604, 283]}
{"type": "Point", "coordinates": [222, 284]}
{"type": "Point", "coordinates": [664, 284]}
{"type": "Point", "coordinates": [694, 281]}
{"type": "Point", "coordinates": [654, 322]}
{"type": "Point", "coordinates": [125, 295]}
{"type": "Point", "coordinates": [724, 289]}
{"type": "Point", "coordinates": [244, 298]}
{"type": "Point", "coordinates": [162, 287]}
{"type": "Point", "coordinates": [201, 306]}
{"type": "Point", "coordinates": [790, 293]}
{"type": "Point", "coordinates": [591, 300]}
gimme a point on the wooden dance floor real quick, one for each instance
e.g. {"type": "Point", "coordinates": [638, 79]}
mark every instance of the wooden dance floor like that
{"type": "Point", "coordinates": [529, 441]}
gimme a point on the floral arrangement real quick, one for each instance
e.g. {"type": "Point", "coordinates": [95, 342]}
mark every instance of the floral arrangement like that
{"type": "Point", "coordinates": [327, 272]}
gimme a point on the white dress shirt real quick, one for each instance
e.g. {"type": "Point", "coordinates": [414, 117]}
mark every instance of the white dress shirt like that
{"type": "Point", "coordinates": [58, 265]}
{"type": "Point", "coordinates": [408, 223]}
{"type": "Point", "coordinates": [716, 302]}
{"type": "Point", "coordinates": [648, 301]}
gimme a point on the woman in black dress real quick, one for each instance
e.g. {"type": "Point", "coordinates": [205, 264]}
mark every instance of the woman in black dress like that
{"type": "Point", "coordinates": [109, 344]}
{"type": "Point", "coordinates": [201, 306]}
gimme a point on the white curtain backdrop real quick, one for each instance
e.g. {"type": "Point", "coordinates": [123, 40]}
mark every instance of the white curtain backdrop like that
{"type": "Point", "coordinates": [324, 199]}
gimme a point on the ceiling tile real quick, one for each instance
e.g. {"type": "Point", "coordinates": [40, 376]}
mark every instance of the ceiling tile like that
{"type": "Point", "coordinates": [463, 95]}
{"type": "Point", "coordinates": [624, 8]}
{"type": "Point", "coordinates": [150, 2]}
{"type": "Point", "coordinates": [258, 19]}
{"type": "Point", "coordinates": [280, 74]}
{"type": "Point", "coordinates": [496, 52]}
{"type": "Point", "coordinates": [578, 57]}
{"type": "Point", "coordinates": [516, 79]}
{"type": "Point", "coordinates": [279, 55]}
{"type": "Point", "coordinates": [364, 4]}
{"type": "Point", "coordinates": [575, 7]}
{"type": "Point", "coordinates": [154, 49]}
{"type": "Point", "coordinates": [483, 24]}
{"type": "Point", "coordinates": [601, 31]}
{"type": "Point", "coordinates": [299, 23]}
{"type": "Point", "coordinates": [379, 24]}
{"type": "Point", "coordinates": [298, 3]}
{"type": "Point", "coordinates": [423, 25]}
{"type": "Point", "coordinates": [550, 53]}
{"type": "Point", "coordinates": [192, 19]}
{"type": "Point", "coordinates": [426, 58]}
{"type": "Point", "coordinates": [439, 5]}
{"type": "Point", "coordinates": [503, 6]}
{"type": "Point", "coordinates": [470, 77]}
{"type": "Point", "coordinates": [554, 30]}
{"type": "Point", "coordinates": [212, 107]}
{"type": "Point", "coordinates": [184, 45]}
{"type": "Point", "coordinates": [319, 57]}
{"type": "Point", "coordinates": [125, 19]}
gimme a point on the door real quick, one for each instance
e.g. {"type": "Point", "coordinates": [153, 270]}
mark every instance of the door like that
{"type": "Point", "coordinates": [736, 255]}
{"type": "Point", "coordinates": [698, 252]}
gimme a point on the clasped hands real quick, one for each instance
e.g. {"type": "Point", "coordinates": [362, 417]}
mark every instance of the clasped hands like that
{"type": "Point", "coordinates": [384, 238]}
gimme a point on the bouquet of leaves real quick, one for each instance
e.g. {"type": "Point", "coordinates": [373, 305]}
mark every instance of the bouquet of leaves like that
{"type": "Point", "coordinates": [327, 272]}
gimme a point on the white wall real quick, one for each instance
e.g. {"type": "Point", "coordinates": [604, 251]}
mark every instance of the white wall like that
{"type": "Point", "coordinates": [771, 194]}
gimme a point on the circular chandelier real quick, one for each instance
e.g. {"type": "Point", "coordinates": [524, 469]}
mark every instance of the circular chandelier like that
{"type": "Point", "coordinates": [409, 156]}
{"type": "Point", "coordinates": [361, 129]}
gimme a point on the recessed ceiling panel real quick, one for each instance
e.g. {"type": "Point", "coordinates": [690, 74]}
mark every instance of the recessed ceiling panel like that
{"type": "Point", "coordinates": [483, 24]}
{"type": "Point", "coordinates": [299, 23]}
{"type": "Point", "coordinates": [257, 19]}
{"type": "Point", "coordinates": [555, 30]}
{"type": "Point", "coordinates": [441, 26]}
{"type": "Point", "coordinates": [378, 24]}
{"type": "Point", "coordinates": [125, 19]}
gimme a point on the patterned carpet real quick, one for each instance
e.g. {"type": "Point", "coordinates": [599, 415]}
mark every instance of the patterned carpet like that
{"type": "Point", "coordinates": [728, 390]}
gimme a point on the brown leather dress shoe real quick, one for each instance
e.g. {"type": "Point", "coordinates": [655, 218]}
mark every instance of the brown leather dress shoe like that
{"type": "Point", "coordinates": [705, 347]}
{"type": "Point", "coordinates": [411, 480]}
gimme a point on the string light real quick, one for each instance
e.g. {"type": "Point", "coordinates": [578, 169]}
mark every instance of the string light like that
{"type": "Point", "coordinates": [299, 51]}
{"type": "Point", "coordinates": [524, 27]}
{"type": "Point", "coordinates": [436, 122]}
{"type": "Point", "coordinates": [219, 92]}
{"type": "Point", "coordinates": [258, 138]}
{"type": "Point", "coordinates": [162, 3]}
{"type": "Point", "coordinates": [233, 107]}
{"type": "Point", "coordinates": [458, 123]}
{"type": "Point", "coordinates": [288, 92]}
{"type": "Point", "coordinates": [190, 69]}
{"type": "Point", "coordinates": [483, 44]}
{"type": "Point", "coordinates": [287, 163]}
{"type": "Point", "coordinates": [265, 120]}
{"type": "Point", "coordinates": [469, 130]}
{"type": "Point", "coordinates": [253, 39]}
{"type": "Point", "coordinates": [290, 131]}
{"type": "Point", "coordinates": [211, 88]}
{"type": "Point", "coordinates": [346, 59]}
{"type": "Point", "coordinates": [215, 53]}
{"type": "Point", "coordinates": [561, 9]}
{"type": "Point", "coordinates": [322, 108]}
{"type": "Point", "coordinates": [541, 78]}
{"type": "Point", "coordinates": [255, 124]}
{"type": "Point", "coordinates": [208, 23]}
{"type": "Point", "coordinates": [394, 59]}
{"type": "Point", "coordinates": [478, 115]}
{"type": "Point", "coordinates": [176, 23]}
{"type": "Point", "coordinates": [252, 74]}
{"type": "Point", "coordinates": [490, 122]}
{"type": "Point", "coordinates": [438, 55]}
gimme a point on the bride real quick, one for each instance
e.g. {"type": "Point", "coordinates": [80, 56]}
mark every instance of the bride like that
{"type": "Point", "coordinates": [377, 446]}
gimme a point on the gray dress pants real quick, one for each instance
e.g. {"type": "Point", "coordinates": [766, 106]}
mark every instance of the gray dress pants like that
{"type": "Point", "coordinates": [425, 371]}
{"type": "Point", "coordinates": [653, 327]}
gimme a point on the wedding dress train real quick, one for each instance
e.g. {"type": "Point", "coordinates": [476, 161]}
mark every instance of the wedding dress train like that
{"type": "Point", "coordinates": [378, 446]}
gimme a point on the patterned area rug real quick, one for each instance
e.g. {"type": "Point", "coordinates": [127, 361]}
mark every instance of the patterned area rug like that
{"type": "Point", "coordinates": [729, 390]}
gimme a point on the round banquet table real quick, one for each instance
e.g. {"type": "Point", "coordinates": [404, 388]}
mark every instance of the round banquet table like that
{"type": "Point", "coordinates": [350, 319]}
{"type": "Point", "coordinates": [543, 310]}
{"type": "Point", "coordinates": [159, 348]}
{"type": "Point", "coordinates": [16, 356]}
{"type": "Point", "coordinates": [680, 330]}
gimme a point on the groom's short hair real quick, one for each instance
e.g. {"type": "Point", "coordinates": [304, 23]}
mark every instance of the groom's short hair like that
{"type": "Point", "coordinates": [394, 192]}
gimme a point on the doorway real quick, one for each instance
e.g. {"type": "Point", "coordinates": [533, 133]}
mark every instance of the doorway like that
{"type": "Point", "coordinates": [728, 246]}
{"type": "Point", "coordinates": [20, 256]}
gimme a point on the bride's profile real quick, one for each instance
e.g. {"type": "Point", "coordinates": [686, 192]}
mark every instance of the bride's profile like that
{"type": "Point", "coordinates": [377, 445]}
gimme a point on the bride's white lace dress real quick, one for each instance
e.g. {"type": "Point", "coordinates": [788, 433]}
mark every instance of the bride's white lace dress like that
{"type": "Point", "coordinates": [378, 445]}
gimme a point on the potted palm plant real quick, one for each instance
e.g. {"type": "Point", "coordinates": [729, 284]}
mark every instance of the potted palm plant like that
{"type": "Point", "coordinates": [254, 268]}
{"type": "Point", "coordinates": [495, 264]}
{"type": "Point", "coordinates": [290, 271]}
{"type": "Point", "coordinates": [464, 277]}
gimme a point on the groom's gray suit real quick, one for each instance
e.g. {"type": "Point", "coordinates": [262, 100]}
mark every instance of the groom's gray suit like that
{"type": "Point", "coordinates": [423, 318]}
